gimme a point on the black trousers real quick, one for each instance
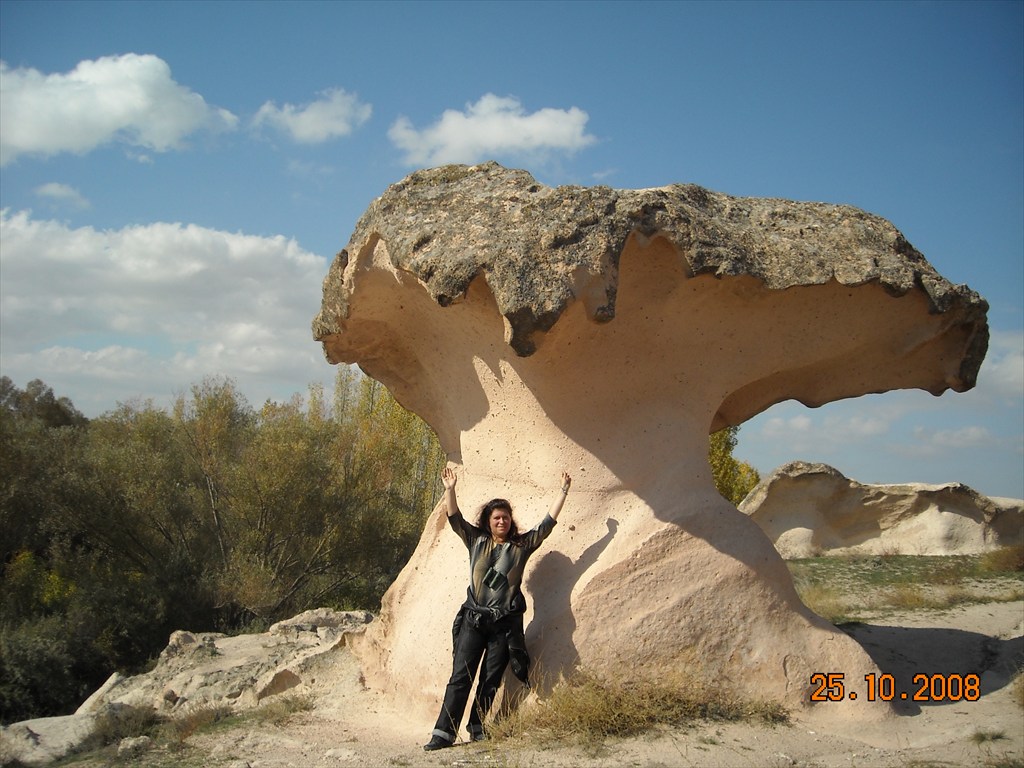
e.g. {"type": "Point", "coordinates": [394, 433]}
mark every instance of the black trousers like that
{"type": "Point", "coordinates": [490, 642]}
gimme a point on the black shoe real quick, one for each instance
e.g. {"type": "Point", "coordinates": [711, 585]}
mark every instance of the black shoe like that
{"type": "Point", "coordinates": [480, 736]}
{"type": "Point", "coordinates": [436, 742]}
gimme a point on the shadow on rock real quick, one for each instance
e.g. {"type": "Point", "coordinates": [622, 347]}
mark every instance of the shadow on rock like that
{"type": "Point", "coordinates": [553, 624]}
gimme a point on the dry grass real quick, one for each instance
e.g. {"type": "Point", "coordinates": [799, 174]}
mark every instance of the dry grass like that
{"type": "Point", "coordinates": [280, 709]}
{"type": "Point", "coordinates": [125, 721]}
{"type": "Point", "coordinates": [983, 736]}
{"type": "Point", "coordinates": [826, 600]}
{"type": "Point", "coordinates": [177, 730]}
{"type": "Point", "coordinates": [588, 708]}
{"type": "Point", "coordinates": [845, 588]}
{"type": "Point", "coordinates": [171, 734]}
{"type": "Point", "coordinates": [1005, 560]}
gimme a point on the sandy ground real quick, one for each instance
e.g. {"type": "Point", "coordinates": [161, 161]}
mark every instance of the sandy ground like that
{"type": "Point", "coordinates": [353, 726]}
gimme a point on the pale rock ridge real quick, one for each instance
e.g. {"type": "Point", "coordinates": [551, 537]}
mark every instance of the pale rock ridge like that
{"type": "Point", "coordinates": [607, 332]}
{"type": "Point", "coordinates": [810, 509]}
{"type": "Point", "coordinates": [198, 669]}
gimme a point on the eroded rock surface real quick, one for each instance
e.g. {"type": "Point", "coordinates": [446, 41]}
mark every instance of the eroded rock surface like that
{"type": "Point", "coordinates": [808, 510]}
{"type": "Point", "coordinates": [196, 669]}
{"type": "Point", "coordinates": [607, 332]}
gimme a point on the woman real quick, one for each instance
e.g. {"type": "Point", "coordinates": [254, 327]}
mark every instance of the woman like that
{"type": "Point", "coordinates": [492, 615]}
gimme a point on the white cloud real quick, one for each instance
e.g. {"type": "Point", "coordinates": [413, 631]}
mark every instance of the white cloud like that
{"type": "Point", "coordinates": [492, 127]}
{"type": "Point", "coordinates": [337, 113]}
{"type": "Point", "coordinates": [828, 430]}
{"type": "Point", "coordinates": [845, 428]}
{"type": "Point", "coordinates": [930, 442]}
{"type": "Point", "coordinates": [111, 364]}
{"type": "Point", "coordinates": [130, 98]}
{"type": "Point", "coordinates": [146, 311]}
{"type": "Point", "coordinates": [63, 194]}
{"type": "Point", "coordinates": [1002, 373]}
{"type": "Point", "coordinates": [781, 428]}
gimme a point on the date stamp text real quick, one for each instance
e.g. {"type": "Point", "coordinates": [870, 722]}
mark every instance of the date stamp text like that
{"type": "Point", "coordinates": [833, 686]}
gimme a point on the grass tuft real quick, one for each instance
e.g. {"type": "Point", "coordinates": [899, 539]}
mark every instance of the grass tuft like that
{"type": "Point", "coordinates": [980, 737]}
{"type": "Point", "coordinates": [195, 720]}
{"type": "Point", "coordinates": [826, 600]}
{"type": "Point", "coordinates": [588, 708]}
{"type": "Point", "coordinates": [173, 733]}
{"type": "Point", "coordinates": [281, 709]}
{"type": "Point", "coordinates": [123, 721]}
{"type": "Point", "coordinates": [1004, 560]}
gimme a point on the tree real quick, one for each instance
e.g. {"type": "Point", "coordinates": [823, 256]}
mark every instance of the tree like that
{"type": "Point", "coordinates": [120, 529]}
{"type": "Point", "coordinates": [37, 401]}
{"type": "Point", "coordinates": [214, 427]}
{"type": "Point", "coordinates": [734, 479]}
{"type": "Point", "coordinates": [288, 521]}
{"type": "Point", "coordinates": [393, 472]}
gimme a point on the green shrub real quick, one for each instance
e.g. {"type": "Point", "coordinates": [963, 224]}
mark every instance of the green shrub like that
{"type": "Point", "coordinates": [37, 670]}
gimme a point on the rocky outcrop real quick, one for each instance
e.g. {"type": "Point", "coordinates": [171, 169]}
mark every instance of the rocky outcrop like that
{"type": "Point", "coordinates": [194, 670]}
{"type": "Point", "coordinates": [808, 510]}
{"type": "Point", "coordinates": [607, 332]}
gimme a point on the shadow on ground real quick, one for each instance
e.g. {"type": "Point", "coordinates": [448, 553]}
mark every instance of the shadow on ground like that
{"type": "Point", "coordinates": [908, 653]}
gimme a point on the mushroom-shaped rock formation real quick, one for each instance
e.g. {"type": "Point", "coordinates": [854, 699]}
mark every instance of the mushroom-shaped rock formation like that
{"type": "Point", "coordinates": [608, 332]}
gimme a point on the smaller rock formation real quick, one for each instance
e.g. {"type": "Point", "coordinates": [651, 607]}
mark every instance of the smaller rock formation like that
{"type": "Point", "coordinates": [195, 669]}
{"type": "Point", "coordinates": [809, 510]}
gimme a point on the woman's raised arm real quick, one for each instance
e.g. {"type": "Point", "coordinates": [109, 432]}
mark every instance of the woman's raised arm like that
{"type": "Point", "coordinates": [449, 479]}
{"type": "Point", "coordinates": [556, 506]}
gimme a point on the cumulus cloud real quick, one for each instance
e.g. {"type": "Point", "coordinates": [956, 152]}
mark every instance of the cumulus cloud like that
{"type": "Point", "coordinates": [1002, 373]}
{"type": "Point", "coordinates": [62, 194]}
{"type": "Point", "coordinates": [148, 310]}
{"type": "Point", "coordinates": [929, 442]}
{"type": "Point", "coordinates": [494, 126]}
{"type": "Point", "coordinates": [130, 98]}
{"type": "Point", "coordinates": [778, 427]}
{"type": "Point", "coordinates": [828, 430]}
{"type": "Point", "coordinates": [336, 113]}
{"type": "Point", "coordinates": [964, 437]}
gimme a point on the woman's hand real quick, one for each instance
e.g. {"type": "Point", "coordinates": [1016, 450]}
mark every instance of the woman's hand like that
{"type": "Point", "coordinates": [556, 507]}
{"type": "Point", "coordinates": [449, 479]}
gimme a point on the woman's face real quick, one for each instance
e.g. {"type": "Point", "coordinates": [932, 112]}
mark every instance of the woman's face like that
{"type": "Point", "coordinates": [500, 521]}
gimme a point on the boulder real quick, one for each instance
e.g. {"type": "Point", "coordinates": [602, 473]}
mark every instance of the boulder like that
{"type": "Point", "coordinates": [45, 740]}
{"type": "Point", "coordinates": [808, 510]}
{"type": "Point", "coordinates": [197, 669]}
{"type": "Point", "coordinates": [608, 332]}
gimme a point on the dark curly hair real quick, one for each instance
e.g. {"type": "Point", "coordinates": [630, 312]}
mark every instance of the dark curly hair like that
{"type": "Point", "coordinates": [484, 520]}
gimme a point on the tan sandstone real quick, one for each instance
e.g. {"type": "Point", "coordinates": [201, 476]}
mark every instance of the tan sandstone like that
{"type": "Point", "coordinates": [607, 332]}
{"type": "Point", "coordinates": [808, 510]}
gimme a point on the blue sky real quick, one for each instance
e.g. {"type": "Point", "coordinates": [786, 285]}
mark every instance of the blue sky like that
{"type": "Point", "coordinates": [176, 176]}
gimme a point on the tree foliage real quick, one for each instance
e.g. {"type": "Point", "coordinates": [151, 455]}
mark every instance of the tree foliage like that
{"type": "Point", "coordinates": [734, 479]}
{"type": "Point", "coordinates": [213, 516]}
